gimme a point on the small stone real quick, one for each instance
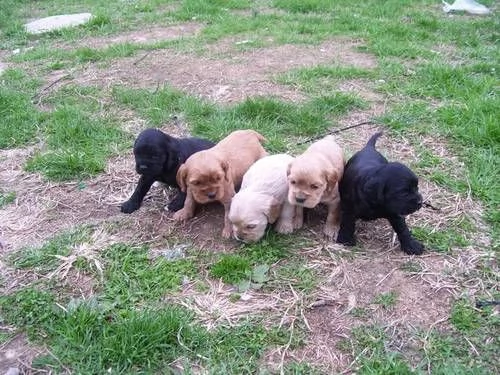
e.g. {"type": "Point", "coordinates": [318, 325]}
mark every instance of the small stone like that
{"type": "Point", "coordinates": [245, 297]}
{"type": "Point", "coordinates": [52, 23]}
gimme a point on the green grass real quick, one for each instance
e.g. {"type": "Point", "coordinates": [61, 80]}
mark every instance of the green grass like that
{"type": "Point", "coordinates": [439, 75]}
{"type": "Point", "coordinates": [443, 240]}
{"type": "Point", "coordinates": [231, 268]}
{"type": "Point", "coordinates": [298, 276]}
{"type": "Point", "coordinates": [450, 353]}
{"type": "Point", "coordinates": [371, 345]}
{"type": "Point", "coordinates": [78, 143]}
{"type": "Point", "coordinates": [273, 118]}
{"type": "Point", "coordinates": [89, 337]}
{"type": "Point", "coordinates": [6, 198]}
{"type": "Point", "coordinates": [322, 78]}
{"type": "Point", "coordinates": [31, 308]}
{"type": "Point", "coordinates": [20, 121]}
{"type": "Point", "coordinates": [126, 325]}
{"type": "Point", "coordinates": [132, 278]}
{"type": "Point", "coordinates": [386, 300]}
{"type": "Point", "coordinates": [250, 267]}
{"type": "Point", "coordinates": [44, 259]}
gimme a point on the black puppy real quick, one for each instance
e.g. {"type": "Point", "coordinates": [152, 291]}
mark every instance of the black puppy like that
{"type": "Point", "coordinates": [158, 156]}
{"type": "Point", "coordinates": [372, 188]}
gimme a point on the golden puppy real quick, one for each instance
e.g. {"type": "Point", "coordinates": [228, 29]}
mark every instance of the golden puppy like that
{"type": "Point", "coordinates": [214, 174]}
{"type": "Point", "coordinates": [313, 178]}
{"type": "Point", "coordinates": [262, 199]}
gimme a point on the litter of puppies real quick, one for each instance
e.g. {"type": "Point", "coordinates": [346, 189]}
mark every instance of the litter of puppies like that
{"type": "Point", "coordinates": [258, 189]}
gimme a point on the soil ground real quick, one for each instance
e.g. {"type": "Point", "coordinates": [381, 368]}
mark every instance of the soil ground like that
{"type": "Point", "coordinates": [225, 75]}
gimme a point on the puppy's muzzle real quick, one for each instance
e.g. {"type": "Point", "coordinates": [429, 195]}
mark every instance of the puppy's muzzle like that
{"type": "Point", "coordinates": [238, 238]}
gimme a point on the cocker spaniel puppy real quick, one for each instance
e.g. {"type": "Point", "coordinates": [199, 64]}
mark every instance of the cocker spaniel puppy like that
{"type": "Point", "coordinates": [262, 200]}
{"type": "Point", "coordinates": [313, 178]}
{"type": "Point", "coordinates": [373, 188]}
{"type": "Point", "coordinates": [158, 156]}
{"type": "Point", "coordinates": [215, 174]}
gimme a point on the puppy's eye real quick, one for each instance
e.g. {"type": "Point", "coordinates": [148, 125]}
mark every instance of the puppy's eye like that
{"type": "Point", "coordinates": [314, 186]}
{"type": "Point", "coordinates": [195, 182]}
{"type": "Point", "coordinates": [251, 226]}
{"type": "Point", "coordinates": [293, 182]}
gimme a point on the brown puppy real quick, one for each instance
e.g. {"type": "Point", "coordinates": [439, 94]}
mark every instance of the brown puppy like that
{"type": "Point", "coordinates": [214, 174]}
{"type": "Point", "coordinates": [313, 178]}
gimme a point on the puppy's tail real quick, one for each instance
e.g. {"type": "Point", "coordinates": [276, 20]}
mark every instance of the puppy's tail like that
{"type": "Point", "coordinates": [371, 142]}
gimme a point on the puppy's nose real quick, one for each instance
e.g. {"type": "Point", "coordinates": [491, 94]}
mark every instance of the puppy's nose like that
{"type": "Point", "coordinates": [300, 200]}
{"type": "Point", "coordinates": [142, 167]}
{"type": "Point", "coordinates": [211, 195]}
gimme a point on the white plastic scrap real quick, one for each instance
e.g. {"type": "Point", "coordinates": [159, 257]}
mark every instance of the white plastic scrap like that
{"type": "Point", "coordinates": [469, 6]}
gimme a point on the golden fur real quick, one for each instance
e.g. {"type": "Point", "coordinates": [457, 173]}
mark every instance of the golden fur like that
{"type": "Point", "coordinates": [214, 174]}
{"type": "Point", "coordinates": [313, 178]}
{"type": "Point", "coordinates": [262, 199]}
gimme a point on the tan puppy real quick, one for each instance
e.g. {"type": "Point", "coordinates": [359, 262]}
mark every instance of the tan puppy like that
{"type": "Point", "coordinates": [262, 199]}
{"type": "Point", "coordinates": [214, 174]}
{"type": "Point", "coordinates": [313, 178]}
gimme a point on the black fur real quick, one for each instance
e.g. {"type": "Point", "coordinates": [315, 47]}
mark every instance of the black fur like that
{"type": "Point", "coordinates": [158, 156]}
{"type": "Point", "coordinates": [372, 188]}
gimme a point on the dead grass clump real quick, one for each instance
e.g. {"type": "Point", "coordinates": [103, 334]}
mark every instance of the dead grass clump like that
{"type": "Point", "coordinates": [218, 305]}
{"type": "Point", "coordinates": [88, 251]}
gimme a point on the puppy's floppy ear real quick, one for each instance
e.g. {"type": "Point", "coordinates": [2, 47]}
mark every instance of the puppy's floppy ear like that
{"type": "Point", "coordinates": [227, 170]}
{"type": "Point", "coordinates": [169, 149]}
{"type": "Point", "coordinates": [181, 177]}
{"type": "Point", "coordinates": [331, 177]}
{"type": "Point", "coordinates": [273, 210]}
{"type": "Point", "coordinates": [374, 189]}
{"type": "Point", "coordinates": [172, 159]}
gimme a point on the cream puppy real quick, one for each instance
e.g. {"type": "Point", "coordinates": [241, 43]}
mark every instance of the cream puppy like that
{"type": "Point", "coordinates": [262, 199]}
{"type": "Point", "coordinates": [313, 178]}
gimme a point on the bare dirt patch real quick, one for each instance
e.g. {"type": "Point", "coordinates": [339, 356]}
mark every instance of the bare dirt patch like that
{"type": "Point", "coordinates": [17, 353]}
{"type": "Point", "coordinates": [149, 35]}
{"type": "Point", "coordinates": [224, 80]}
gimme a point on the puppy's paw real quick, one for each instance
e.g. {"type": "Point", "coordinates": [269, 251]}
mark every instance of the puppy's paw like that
{"type": "Point", "coordinates": [412, 247]}
{"type": "Point", "coordinates": [129, 206]}
{"type": "Point", "coordinates": [330, 231]}
{"type": "Point", "coordinates": [346, 240]}
{"type": "Point", "coordinates": [227, 232]}
{"type": "Point", "coordinates": [182, 215]}
{"type": "Point", "coordinates": [298, 219]}
{"type": "Point", "coordinates": [284, 226]}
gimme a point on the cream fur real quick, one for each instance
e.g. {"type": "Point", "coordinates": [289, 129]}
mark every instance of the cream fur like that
{"type": "Point", "coordinates": [313, 178]}
{"type": "Point", "coordinates": [262, 199]}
